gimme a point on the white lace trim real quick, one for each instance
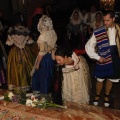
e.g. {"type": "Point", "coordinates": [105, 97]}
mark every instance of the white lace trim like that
{"type": "Point", "coordinates": [30, 41]}
{"type": "Point", "coordinates": [48, 35]}
{"type": "Point", "coordinates": [45, 23]}
{"type": "Point", "coordinates": [18, 35]}
{"type": "Point", "coordinates": [9, 43]}
{"type": "Point", "coordinates": [79, 18]}
{"type": "Point", "coordinates": [41, 53]}
{"type": "Point", "coordinates": [75, 22]}
{"type": "Point", "coordinates": [74, 67]}
{"type": "Point", "coordinates": [18, 40]}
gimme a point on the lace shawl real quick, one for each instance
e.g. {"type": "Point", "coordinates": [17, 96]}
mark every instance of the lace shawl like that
{"type": "Point", "coordinates": [69, 68]}
{"type": "Point", "coordinates": [48, 35]}
{"type": "Point", "coordinates": [75, 22]}
{"type": "Point", "coordinates": [18, 35]}
{"type": "Point", "coordinates": [79, 18]}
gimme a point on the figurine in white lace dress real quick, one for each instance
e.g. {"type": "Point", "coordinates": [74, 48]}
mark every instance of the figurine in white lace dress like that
{"type": "Point", "coordinates": [76, 77]}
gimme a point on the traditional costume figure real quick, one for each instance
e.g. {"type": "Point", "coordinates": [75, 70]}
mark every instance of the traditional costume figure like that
{"type": "Point", "coordinates": [98, 22]}
{"type": "Point", "coordinates": [75, 35]}
{"type": "Point", "coordinates": [43, 71]}
{"type": "Point", "coordinates": [76, 77]}
{"type": "Point", "coordinates": [90, 17]}
{"type": "Point", "coordinates": [20, 58]}
{"type": "Point", "coordinates": [107, 40]}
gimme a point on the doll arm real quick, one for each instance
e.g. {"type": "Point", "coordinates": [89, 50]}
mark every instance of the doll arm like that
{"type": "Point", "coordinates": [41, 53]}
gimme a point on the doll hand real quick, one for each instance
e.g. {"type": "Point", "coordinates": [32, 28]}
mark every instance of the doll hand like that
{"type": "Point", "coordinates": [102, 60]}
{"type": "Point", "coordinates": [37, 66]}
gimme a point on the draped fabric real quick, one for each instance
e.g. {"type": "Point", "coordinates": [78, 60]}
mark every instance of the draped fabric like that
{"type": "Point", "coordinates": [117, 27]}
{"type": "Point", "coordinates": [106, 68]}
{"type": "Point", "coordinates": [48, 34]}
{"type": "Point", "coordinates": [19, 66]}
{"type": "Point", "coordinates": [20, 58]}
{"type": "Point", "coordinates": [43, 77]}
{"type": "Point", "coordinates": [76, 81]}
{"type": "Point", "coordinates": [116, 62]}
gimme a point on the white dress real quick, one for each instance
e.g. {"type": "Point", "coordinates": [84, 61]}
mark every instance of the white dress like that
{"type": "Point", "coordinates": [76, 81]}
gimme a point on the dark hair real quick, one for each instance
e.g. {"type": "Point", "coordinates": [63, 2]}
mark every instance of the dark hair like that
{"type": "Point", "coordinates": [61, 51]}
{"type": "Point", "coordinates": [111, 12]}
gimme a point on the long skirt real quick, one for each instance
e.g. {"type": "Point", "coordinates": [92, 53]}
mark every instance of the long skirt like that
{"type": "Point", "coordinates": [76, 84]}
{"type": "Point", "coordinates": [19, 65]}
{"type": "Point", "coordinates": [43, 77]}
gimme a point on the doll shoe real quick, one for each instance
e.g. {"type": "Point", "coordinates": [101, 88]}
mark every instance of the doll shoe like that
{"type": "Point", "coordinates": [106, 103]}
{"type": "Point", "coordinates": [95, 102]}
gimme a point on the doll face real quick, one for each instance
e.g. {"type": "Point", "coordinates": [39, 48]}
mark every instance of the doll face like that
{"type": "Point", "coordinates": [60, 60]}
{"type": "Point", "coordinates": [98, 16]}
{"type": "Point", "coordinates": [75, 15]}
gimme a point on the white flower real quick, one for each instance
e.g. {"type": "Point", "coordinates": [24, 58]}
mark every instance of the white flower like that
{"type": "Point", "coordinates": [32, 97]}
{"type": "Point", "coordinates": [65, 106]}
{"type": "Point", "coordinates": [28, 102]}
{"type": "Point", "coordinates": [35, 100]}
{"type": "Point", "coordinates": [10, 95]}
{"type": "Point", "coordinates": [43, 100]}
{"type": "Point", "coordinates": [33, 105]}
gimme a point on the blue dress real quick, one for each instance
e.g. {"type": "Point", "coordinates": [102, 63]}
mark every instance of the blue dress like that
{"type": "Point", "coordinates": [43, 77]}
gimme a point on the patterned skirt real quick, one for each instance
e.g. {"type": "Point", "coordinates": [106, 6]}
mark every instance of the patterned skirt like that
{"type": "Point", "coordinates": [112, 72]}
{"type": "Point", "coordinates": [19, 66]}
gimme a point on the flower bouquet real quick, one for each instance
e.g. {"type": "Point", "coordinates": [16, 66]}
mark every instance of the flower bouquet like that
{"type": "Point", "coordinates": [17, 96]}
{"type": "Point", "coordinates": [42, 102]}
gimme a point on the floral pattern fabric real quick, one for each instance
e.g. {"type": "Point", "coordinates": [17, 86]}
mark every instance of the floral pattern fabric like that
{"type": "Point", "coordinates": [76, 81]}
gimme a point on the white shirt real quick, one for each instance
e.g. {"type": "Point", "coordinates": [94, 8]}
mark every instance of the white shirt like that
{"type": "Point", "coordinates": [92, 17]}
{"type": "Point", "coordinates": [90, 45]}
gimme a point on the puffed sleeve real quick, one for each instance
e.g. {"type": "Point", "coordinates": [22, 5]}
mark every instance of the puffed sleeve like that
{"type": "Point", "coordinates": [42, 48]}
{"type": "Point", "coordinates": [90, 48]}
{"type": "Point", "coordinates": [30, 41]}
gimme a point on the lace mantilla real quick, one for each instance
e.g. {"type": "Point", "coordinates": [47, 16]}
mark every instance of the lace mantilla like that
{"type": "Point", "coordinates": [45, 23]}
{"type": "Point", "coordinates": [48, 35]}
{"type": "Point", "coordinates": [79, 20]}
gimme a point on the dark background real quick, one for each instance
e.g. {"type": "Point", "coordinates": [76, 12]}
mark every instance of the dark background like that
{"type": "Point", "coordinates": [10, 7]}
